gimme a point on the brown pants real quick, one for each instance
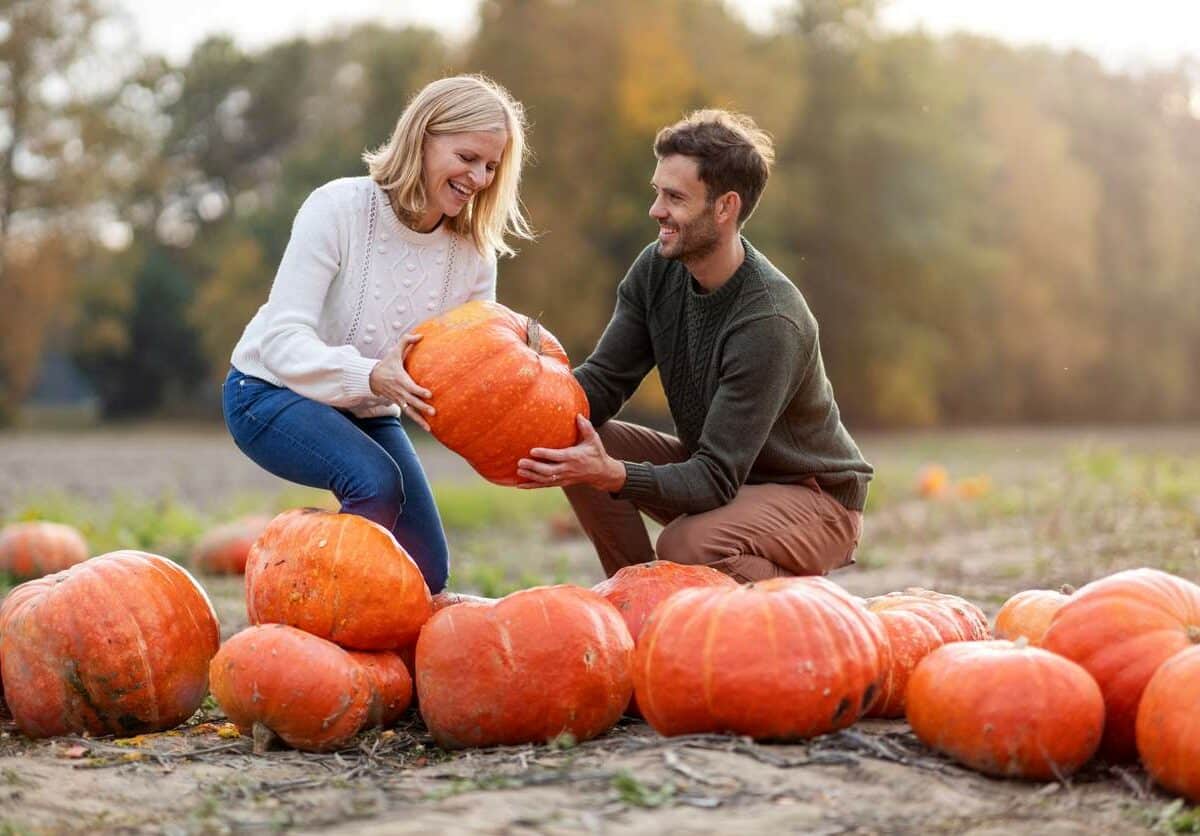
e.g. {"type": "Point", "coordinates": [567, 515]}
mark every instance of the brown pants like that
{"type": "Point", "coordinates": [767, 531]}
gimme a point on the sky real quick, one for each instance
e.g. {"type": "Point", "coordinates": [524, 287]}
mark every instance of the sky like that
{"type": "Point", "coordinates": [1123, 35]}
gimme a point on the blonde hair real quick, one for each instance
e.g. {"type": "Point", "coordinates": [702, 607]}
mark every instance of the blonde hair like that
{"type": "Point", "coordinates": [457, 105]}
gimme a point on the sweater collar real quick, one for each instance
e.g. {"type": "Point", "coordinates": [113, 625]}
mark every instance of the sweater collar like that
{"type": "Point", "coordinates": [727, 291]}
{"type": "Point", "coordinates": [393, 224]}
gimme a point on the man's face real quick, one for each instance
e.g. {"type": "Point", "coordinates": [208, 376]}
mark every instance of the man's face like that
{"type": "Point", "coordinates": [687, 229]}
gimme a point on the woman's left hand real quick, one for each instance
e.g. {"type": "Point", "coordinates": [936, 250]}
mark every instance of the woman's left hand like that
{"type": "Point", "coordinates": [586, 463]}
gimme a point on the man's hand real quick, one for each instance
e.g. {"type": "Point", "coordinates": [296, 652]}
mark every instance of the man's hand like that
{"type": "Point", "coordinates": [584, 464]}
{"type": "Point", "coordinates": [389, 379]}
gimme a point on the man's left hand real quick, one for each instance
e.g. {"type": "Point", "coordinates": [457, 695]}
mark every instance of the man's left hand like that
{"type": "Point", "coordinates": [586, 463]}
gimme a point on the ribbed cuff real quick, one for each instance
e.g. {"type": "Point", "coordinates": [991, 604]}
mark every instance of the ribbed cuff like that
{"type": "Point", "coordinates": [639, 482]}
{"type": "Point", "coordinates": [356, 377]}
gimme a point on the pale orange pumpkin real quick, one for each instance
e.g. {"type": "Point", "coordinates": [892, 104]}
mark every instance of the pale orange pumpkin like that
{"type": "Point", "coordinates": [223, 550]}
{"type": "Point", "coordinates": [337, 576]}
{"type": "Point", "coordinates": [33, 549]}
{"type": "Point", "coordinates": [1028, 614]}
{"type": "Point", "coordinates": [501, 386]}
{"type": "Point", "coordinates": [955, 618]}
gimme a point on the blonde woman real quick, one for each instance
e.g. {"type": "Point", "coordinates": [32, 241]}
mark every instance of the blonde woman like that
{"type": "Point", "coordinates": [317, 384]}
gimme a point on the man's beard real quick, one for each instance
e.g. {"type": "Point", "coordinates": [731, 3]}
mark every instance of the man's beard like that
{"type": "Point", "coordinates": [693, 241]}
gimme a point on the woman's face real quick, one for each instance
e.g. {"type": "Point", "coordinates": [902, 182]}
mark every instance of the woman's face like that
{"type": "Point", "coordinates": [456, 166]}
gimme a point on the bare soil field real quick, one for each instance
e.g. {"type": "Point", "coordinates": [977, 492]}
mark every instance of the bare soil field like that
{"type": "Point", "coordinates": [1055, 506]}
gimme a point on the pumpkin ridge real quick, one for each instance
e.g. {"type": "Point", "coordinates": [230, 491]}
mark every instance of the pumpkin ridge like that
{"type": "Point", "coordinates": [106, 590]}
{"type": "Point", "coordinates": [709, 640]}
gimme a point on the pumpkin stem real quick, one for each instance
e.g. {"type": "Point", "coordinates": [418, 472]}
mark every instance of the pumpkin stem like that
{"type": "Point", "coordinates": [533, 335]}
{"type": "Point", "coordinates": [1021, 642]}
{"type": "Point", "coordinates": [1066, 589]}
{"type": "Point", "coordinates": [1193, 633]}
{"type": "Point", "coordinates": [264, 738]}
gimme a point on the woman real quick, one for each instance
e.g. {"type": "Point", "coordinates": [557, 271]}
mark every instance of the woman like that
{"type": "Point", "coordinates": [318, 380]}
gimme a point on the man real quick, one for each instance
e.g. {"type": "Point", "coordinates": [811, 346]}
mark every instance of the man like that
{"type": "Point", "coordinates": [763, 479]}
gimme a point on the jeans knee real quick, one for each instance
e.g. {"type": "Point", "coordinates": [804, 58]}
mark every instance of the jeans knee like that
{"type": "Point", "coordinates": [376, 493]}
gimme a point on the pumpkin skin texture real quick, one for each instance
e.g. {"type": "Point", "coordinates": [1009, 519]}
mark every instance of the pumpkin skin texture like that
{"type": "Point", "coordinates": [501, 386]}
{"type": "Point", "coordinates": [1006, 709]}
{"type": "Point", "coordinates": [311, 693]}
{"type": "Point", "coordinates": [955, 618]}
{"type": "Point", "coordinates": [337, 576]}
{"type": "Point", "coordinates": [33, 549]}
{"type": "Point", "coordinates": [1028, 614]}
{"type": "Point", "coordinates": [1168, 724]}
{"type": "Point", "coordinates": [224, 549]}
{"type": "Point", "coordinates": [911, 638]}
{"type": "Point", "coordinates": [1121, 628]}
{"type": "Point", "coordinates": [524, 669]}
{"type": "Point", "coordinates": [391, 685]}
{"type": "Point", "coordinates": [783, 659]}
{"type": "Point", "coordinates": [118, 645]}
{"type": "Point", "coordinates": [636, 590]}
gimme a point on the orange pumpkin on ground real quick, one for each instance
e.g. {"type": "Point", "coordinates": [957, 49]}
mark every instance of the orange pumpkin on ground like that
{"type": "Point", "coordinates": [785, 658]}
{"type": "Point", "coordinates": [1121, 628]}
{"type": "Point", "coordinates": [224, 549]}
{"type": "Point", "coordinates": [275, 679]}
{"type": "Point", "coordinates": [933, 481]}
{"type": "Point", "coordinates": [1168, 724]}
{"type": "Point", "coordinates": [524, 669]}
{"type": "Point", "coordinates": [636, 590]}
{"type": "Point", "coordinates": [1006, 709]}
{"type": "Point", "coordinates": [337, 576]}
{"type": "Point", "coordinates": [391, 683]}
{"type": "Point", "coordinates": [1028, 614]}
{"type": "Point", "coordinates": [118, 645]}
{"type": "Point", "coordinates": [34, 549]}
{"type": "Point", "coordinates": [501, 386]}
{"type": "Point", "coordinates": [910, 639]}
{"type": "Point", "coordinates": [955, 618]}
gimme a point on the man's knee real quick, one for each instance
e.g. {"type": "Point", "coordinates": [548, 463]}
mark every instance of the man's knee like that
{"type": "Point", "coordinates": [684, 541]}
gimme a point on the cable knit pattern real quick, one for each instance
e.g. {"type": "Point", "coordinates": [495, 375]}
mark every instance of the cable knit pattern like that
{"type": "Point", "coordinates": [351, 282]}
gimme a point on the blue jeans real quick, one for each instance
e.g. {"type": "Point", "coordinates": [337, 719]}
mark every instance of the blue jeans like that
{"type": "Point", "coordinates": [368, 463]}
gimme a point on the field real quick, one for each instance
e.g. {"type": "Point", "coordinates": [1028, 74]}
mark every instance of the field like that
{"type": "Point", "coordinates": [1024, 508]}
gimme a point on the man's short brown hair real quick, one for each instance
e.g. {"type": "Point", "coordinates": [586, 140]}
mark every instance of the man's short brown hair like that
{"type": "Point", "coordinates": [732, 152]}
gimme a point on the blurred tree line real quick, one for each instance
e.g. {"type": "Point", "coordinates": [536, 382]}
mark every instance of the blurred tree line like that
{"type": "Point", "coordinates": [985, 233]}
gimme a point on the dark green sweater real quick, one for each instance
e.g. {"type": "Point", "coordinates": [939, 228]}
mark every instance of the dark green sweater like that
{"type": "Point", "coordinates": [742, 371]}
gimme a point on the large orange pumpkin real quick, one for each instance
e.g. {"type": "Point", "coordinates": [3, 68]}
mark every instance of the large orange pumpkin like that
{"type": "Point", "coordinates": [531, 666]}
{"type": "Point", "coordinates": [34, 549]}
{"type": "Point", "coordinates": [1121, 628]}
{"type": "Point", "coordinates": [910, 639]}
{"type": "Point", "coordinates": [337, 576]}
{"type": "Point", "coordinates": [1028, 614]}
{"type": "Point", "coordinates": [1006, 709]}
{"type": "Point", "coordinates": [391, 683]}
{"type": "Point", "coordinates": [311, 693]}
{"type": "Point", "coordinates": [1168, 724]}
{"type": "Point", "coordinates": [223, 550]}
{"type": "Point", "coordinates": [955, 618]}
{"type": "Point", "coordinates": [119, 645]}
{"type": "Point", "coordinates": [501, 386]}
{"type": "Point", "coordinates": [781, 659]}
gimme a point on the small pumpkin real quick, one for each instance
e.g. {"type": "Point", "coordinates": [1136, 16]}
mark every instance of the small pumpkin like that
{"type": "Point", "coordinates": [524, 669]}
{"type": "Point", "coordinates": [786, 658]}
{"type": "Point", "coordinates": [119, 644]}
{"type": "Point", "coordinates": [1121, 628]}
{"type": "Point", "coordinates": [273, 679]}
{"type": "Point", "coordinates": [224, 549]}
{"type": "Point", "coordinates": [1028, 614]}
{"type": "Point", "coordinates": [910, 639]}
{"type": "Point", "coordinates": [337, 576]}
{"type": "Point", "coordinates": [955, 618]}
{"type": "Point", "coordinates": [1006, 709]}
{"type": "Point", "coordinates": [501, 386]}
{"type": "Point", "coordinates": [33, 549]}
{"type": "Point", "coordinates": [1168, 724]}
{"type": "Point", "coordinates": [390, 682]}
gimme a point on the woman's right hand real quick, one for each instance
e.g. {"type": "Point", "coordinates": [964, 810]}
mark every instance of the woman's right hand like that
{"type": "Point", "coordinates": [389, 379]}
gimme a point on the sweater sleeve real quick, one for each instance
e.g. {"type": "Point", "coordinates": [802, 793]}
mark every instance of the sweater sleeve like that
{"type": "Point", "coordinates": [624, 355]}
{"type": "Point", "coordinates": [762, 367]}
{"type": "Point", "coordinates": [291, 348]}
{"type": "Point", "coordinates": [484, 286]}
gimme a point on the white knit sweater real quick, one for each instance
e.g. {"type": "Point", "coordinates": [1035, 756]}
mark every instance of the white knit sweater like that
{"type": "Point", "coordinates": [353, 279]}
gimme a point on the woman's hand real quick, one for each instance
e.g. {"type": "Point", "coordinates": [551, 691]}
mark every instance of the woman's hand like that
{"type": "Point", "coordinates": [586, 463]}
{"type": "Point", "coordinates": [389, 379]}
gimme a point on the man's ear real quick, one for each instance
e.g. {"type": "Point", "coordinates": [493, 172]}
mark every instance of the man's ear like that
{"type": "Point", "coordinates": [729, 206]}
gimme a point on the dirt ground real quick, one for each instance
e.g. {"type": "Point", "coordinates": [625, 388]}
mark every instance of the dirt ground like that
{"type": "Point", "coordinates": [1059, 511]}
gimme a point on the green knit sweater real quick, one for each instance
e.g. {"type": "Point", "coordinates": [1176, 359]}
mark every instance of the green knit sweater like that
{"type": "Point", "coordinates": [745, 384]}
